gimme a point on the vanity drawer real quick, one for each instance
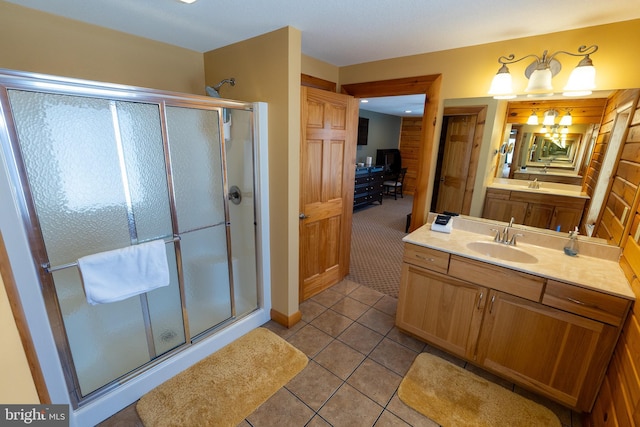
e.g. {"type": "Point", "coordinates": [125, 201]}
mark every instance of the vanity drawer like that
{"type": "Point", "coordinates": [426, 257]}
{"type": "Point", "coordinates": [586, 302]}
{"type": "Point", "coordinates": [502, 279]}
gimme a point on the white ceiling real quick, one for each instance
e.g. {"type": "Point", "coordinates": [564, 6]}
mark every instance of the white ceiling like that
{"type": "Point", "coordinates": [404, 106]}
{"type": "Point", "coordinates": [343, 32]}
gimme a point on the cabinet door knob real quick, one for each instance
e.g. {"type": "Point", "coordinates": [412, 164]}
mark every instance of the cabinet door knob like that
{"type": "Point", "coordinates": [480, 299]}
{"type": "Point", "coordinates": [493, 298]}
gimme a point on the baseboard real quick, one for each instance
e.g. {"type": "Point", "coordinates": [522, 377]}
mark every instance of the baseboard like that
{"type": "Point", "coordinates": [284, 320]}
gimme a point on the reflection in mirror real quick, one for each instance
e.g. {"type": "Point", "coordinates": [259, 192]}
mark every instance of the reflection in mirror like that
{"type": "Point", "coordinates": [552, 151]}
{"type": "Point", "coordinates": [515, 156]}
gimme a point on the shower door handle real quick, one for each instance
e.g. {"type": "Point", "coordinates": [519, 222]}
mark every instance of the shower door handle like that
{"type": "Point", "coordinates": [302, 216]}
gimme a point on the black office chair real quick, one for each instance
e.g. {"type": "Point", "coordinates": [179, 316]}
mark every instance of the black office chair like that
{"type": "Point", "coordinates": [395, 187]}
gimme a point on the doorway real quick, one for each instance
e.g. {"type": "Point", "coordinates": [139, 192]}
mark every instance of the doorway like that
{"type": "Point", "coordinates": [428, 85]}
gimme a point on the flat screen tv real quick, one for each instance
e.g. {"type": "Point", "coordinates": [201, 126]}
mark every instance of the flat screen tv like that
{"type": "Point", "coordinates": [363, 130]}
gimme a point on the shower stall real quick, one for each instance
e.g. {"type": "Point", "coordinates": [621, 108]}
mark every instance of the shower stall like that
{"type": "Point", "coordinates": [90, 168]}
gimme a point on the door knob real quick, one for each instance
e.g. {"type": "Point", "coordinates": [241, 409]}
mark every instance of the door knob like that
{"type": "Point", "coordinates": [302, 216]}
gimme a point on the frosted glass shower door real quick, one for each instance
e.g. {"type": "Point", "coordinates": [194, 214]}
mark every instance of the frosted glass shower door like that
{"type": "Point", "coordinates": [97, 177]}
{"type": "Point", "coordinates": [197, 173]}
{"type": "Point", "coordinates": [240, 174]}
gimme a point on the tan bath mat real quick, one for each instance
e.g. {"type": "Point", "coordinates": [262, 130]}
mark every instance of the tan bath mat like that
{"type": "Point", "coordinates": [452, 396]}
{"type": "Point", "coordinates": [224, 388]}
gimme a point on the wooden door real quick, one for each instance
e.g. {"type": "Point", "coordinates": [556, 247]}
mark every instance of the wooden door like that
{"type": "Point", "coordinates": [327, 170]}
{"type": "Point", "coordinates": [455, 163]}
{"type": "Point", "coordinates": [441, 310]}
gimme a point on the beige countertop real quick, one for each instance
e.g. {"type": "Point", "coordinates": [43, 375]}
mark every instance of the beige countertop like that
{"type": "Point", "coordinates": [552, 172]}
{"type": "Point", "coordinates": [553, 188]}
{"type": "Point", "coordinates": [601, 272]}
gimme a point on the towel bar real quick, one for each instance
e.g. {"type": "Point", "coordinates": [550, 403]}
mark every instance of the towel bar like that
{"type": "Point", "coordinates": [49, 269]}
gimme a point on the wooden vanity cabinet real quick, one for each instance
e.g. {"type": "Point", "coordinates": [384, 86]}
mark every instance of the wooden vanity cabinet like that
{"type": "Point", "coordinates": [542, 210]}
{"type": "Point", "coordinates": [558, 353]}
{"type": "Point", "coordinates": [498, 206]}
{"type": "Point", "coordinates": [553, 338]}
{"type": "Point", "coordinates": [441, 310]}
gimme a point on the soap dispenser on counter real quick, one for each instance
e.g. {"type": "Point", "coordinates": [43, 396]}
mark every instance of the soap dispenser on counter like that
{"type": "Point", "coordinates": [571, 248]}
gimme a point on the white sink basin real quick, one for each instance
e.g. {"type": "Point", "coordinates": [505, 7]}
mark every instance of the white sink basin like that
{"type": "Point", "coordinates": [502, 251]}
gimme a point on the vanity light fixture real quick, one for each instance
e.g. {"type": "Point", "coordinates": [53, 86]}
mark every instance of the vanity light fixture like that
{"type": "Point", "coordinates": [188, 1]}
{"type": "Point", "coordinates": [533, 118]}
{"type": "Point", "coordinates": [540, 72]}
{"type": "Point", "coordinates": [549, 118]}
{"type": "Point", "coordinates": [566, 120]}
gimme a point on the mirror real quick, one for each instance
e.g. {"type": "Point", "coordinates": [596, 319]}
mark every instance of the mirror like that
{"type": "Point", "coordinates": [557, 148]}
{"type": "Point", "coordinates": [515, 150]}
{"type": "Point", "coordinates": [543, 150]}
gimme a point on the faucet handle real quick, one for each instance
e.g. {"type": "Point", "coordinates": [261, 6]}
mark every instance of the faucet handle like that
{"type": "Point", "coordinates": [512, 242]}
{"type": "Point", "coordinates": [497, 238]}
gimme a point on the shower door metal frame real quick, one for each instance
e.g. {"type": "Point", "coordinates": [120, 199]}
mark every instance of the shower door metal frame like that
{"type": "Point", "coordinates": [14, 80]}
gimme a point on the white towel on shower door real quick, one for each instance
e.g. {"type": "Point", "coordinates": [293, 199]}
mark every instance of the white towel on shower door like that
{"type": "Point", "coordinates": [122, 273]}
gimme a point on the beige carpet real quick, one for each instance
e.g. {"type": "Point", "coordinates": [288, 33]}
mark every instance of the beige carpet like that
{"type": "Point", "coordinates": [452, 396]}
{"type": "Point", "coordinates": [226, 387]}
{"type": "Point", "coordinates": [376, 244]}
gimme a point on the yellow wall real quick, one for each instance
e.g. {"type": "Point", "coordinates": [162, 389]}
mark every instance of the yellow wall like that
{"type": "Point", "coordinates": [467, 72]}
{"type": "Point", "coordinates": [17, 384]}
{"type": "Point", "coordinates": [323, 70]}
{"type": "Point", "coordinates": [267, 68]}
{"type": "Point", "coordinates": [40, 42]}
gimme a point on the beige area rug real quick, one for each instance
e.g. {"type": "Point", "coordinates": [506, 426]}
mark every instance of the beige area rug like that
{"type": "Point", "coordinates": [226, 387]}
{"type": "Point", "coordinates": [452, 396]}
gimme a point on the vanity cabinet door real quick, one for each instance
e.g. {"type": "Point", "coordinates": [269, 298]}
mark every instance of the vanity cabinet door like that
{"type": "Point", "coordinates": [567, 218]}
{"type": "Point", "coordinates": [441, 310]}
{"type": "Point", "coordinates": [538, 215]}
{"type": "Point", "coordinates": [562, 355]}
{"type": "Point", "coordinates": [503, 210]}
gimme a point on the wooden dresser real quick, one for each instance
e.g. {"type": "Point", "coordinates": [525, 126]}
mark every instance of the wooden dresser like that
{"type": "Point", "coordinates": [368, 186]}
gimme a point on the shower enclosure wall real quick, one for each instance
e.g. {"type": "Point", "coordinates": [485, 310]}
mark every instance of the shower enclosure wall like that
{"type": "Point", "coordinates": [89, 168]}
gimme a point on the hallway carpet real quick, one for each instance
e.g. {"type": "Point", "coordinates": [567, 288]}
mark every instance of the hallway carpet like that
{"type": "Point", "coordinates": [224, 388]}
{"type": "Point", "coordinates": [376, 244]}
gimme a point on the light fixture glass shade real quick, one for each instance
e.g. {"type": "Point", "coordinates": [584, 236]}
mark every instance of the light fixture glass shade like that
{"type": "Point", "coordinates": [582, 80]}
{"type": "Point", "coordinates": [566, 120]}
{"type": "Point", "coordinates": [549, 118]}
{"type": "Point", "coordinates": [533, 119]}
{"type": "Point", "coordinates": [540, 82]}
{"type": "Point", "coordinates": [565, 130]}
{"type": "Point", "coordinates": [502, 84]}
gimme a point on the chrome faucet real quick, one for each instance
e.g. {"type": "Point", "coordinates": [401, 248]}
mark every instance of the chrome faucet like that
{"type": "Point", "coordinates": [504, 236]}
{"type": "Point", "coordinates": [534, 184]}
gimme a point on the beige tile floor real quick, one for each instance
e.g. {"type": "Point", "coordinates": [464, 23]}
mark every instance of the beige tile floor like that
{"type": "Point", "coordinates": [357, 359]}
